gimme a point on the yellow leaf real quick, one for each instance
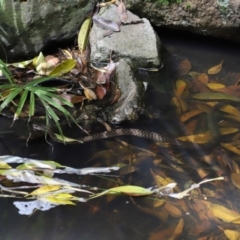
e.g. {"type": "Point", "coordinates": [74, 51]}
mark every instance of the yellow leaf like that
{"type": "Point", "coordinates": [90, 95]}
{"type": "Point", "coordinates": [83, 34]}
{"type": "Point", "coordinates": [39, 59]}
{"type": "Point", "coordinates": [22, 64]}
{"type": "Point", "coordinates": [4, 165]}
{"type": "Point", "coordinates": [178, 230]}
{"type": "Point", "coordinates": [214, 86]}
{"type": "Point", "coordinates": [216, 69]}
{"type": "Point", "coordinates": [128, 190]}
{"type": "Point", "coordinates": [44, 190]}
{"type": "Point", "coordinates": [232, 235]}
{"type": "Point", "coordinates": [58, 201]}
{"type": "Point", "coordinates": [64, 67]}
{"type": "Point", "coordinates": [235, 180]}
{"type": "Point", "coordinates": [184, 117]}
{"type": "Point", "coordinates": [180, 87]}
{"type": "Point", "coordinates": [180, 104]}
{"type": "Point", "coordinates": [222, 212]}
{"type": "Point", "coordinates": [65, 139]}
{"type": "Point", "coordinates": [206, 136]}
{"type": "Point", "coordinates": [231, 148]}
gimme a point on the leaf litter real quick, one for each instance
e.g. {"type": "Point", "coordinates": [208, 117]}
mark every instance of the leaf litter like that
{"type": "Point", "coordinates": [212, 205]}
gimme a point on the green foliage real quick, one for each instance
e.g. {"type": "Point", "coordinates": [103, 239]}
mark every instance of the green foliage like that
{"type": "Point", "coordinates": [167, 2]}
{"type": "Point", "coordinates": [48, 96]}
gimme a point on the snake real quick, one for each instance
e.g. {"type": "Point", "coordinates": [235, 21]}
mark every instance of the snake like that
{"type": "Point", "coordinates": [212, 125]}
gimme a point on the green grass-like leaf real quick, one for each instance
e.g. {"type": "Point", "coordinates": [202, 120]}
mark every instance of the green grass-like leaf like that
{"type": "Point", "coordinates": [31, 90]}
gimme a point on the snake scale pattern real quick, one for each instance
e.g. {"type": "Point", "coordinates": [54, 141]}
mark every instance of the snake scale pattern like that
{"type": "Point", "coordinates": [138, 133]}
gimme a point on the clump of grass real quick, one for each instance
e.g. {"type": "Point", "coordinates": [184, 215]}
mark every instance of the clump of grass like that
{"type": "Point", "coordinates": [167, 2]}
{"type": "Point", "coordinates": [28, 93]}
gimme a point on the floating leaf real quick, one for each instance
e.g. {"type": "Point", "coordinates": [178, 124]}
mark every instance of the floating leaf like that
{"type": "Point", "coordinates": [216, 69]}
{"type": "Point", "coordinates": [58, 201]}
{"type": "Point", "coordinates": [212, 96]}
{"type": "Point", "coordinates": [64, 67]}
{"type": "Point", "coordinates": [44, 190]}
{"type": "Point", "coordinates": [4, 165]}
{"type": "Point", "coordinates": [83, 34]}
{"type": "Point", "coordinates": [128, 190]}
{"type": "Point", "coordinates": [65, 139]}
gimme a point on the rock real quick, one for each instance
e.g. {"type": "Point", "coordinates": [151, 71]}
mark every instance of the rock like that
{"type": "Point", "coordinates": [130, 103]}
{"type": "Point", "coordinates": [137, 42]}
{"type": "Point", "coordinates": [207, 17]}
{"type": "Point", "coordinates": [28, 26]}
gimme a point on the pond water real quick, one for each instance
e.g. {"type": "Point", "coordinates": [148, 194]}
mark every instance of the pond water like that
{"type": "Point", "coordinates": [123, 217]}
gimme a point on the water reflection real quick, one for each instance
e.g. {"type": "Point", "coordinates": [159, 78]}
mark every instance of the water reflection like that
{"type": "Point", "coordinates": [122, 217]}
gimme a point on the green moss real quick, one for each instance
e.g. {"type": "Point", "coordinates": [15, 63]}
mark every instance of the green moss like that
{"type": "Point", "coordinates": [167, 2]}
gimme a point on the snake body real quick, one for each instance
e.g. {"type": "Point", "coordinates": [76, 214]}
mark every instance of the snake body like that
{"type": "Point", "coordinates": [213, 128]}
{"type": "Point", "coordinates": [132, 132]}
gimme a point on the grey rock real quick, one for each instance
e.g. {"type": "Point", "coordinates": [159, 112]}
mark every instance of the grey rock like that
{"type": "Point", "coordinates": [130, 104]}
{"type": "Point", "coordinates": [137, 42]}
{"type": "Point", "coordinates": [27, 26]}
{"type": "Point", "coordinates": [217, 18]}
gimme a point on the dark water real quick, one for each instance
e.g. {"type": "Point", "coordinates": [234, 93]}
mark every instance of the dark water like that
{"type": "Point", "coordinates": [118, 219]}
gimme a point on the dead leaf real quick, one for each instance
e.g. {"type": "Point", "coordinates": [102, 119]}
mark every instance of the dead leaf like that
{"type": "Point", "coordinates": [100, 92]}
{"type": "Point", "coordinates": [122, 12]}
{"type": "Point", "coordinates": [232, 235]}
{"type": "Point", "coordinates": [235, 177]}
{"type": "Point", "coordinates": [216, 69]}
{"type": "Point", "coordinates": [203, 77]}
{"type": "Point", "coordinates": [172, 210]}
{"type": "Point", "coordinates": [178, 230]}
{"type": "Point", "coordinates": [90, 95]}
{"type": "Point", "coordinates": [184, 67]}
{"type": "Point", "coordinates": [186, 116]}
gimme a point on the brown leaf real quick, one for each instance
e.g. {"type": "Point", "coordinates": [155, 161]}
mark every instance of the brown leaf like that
{"type": "Point", "coordinates": [235, 180]}
{"type": "Point", "coordinates": [216, 69]}
{"type": "Point", "coordinates": [203, 78]}
{"type": "Point", "coordinates": [172, 210]}
{"type": "Point", "coordinates": [184, 67]}
{"type": "Point", "coordinates": [232, 90]}
{"type": "Point", "coordinates": [100, 92]}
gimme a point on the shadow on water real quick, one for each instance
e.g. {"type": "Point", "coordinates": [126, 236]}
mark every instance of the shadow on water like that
{"type": "Point", "coordinates": [117, 218]}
